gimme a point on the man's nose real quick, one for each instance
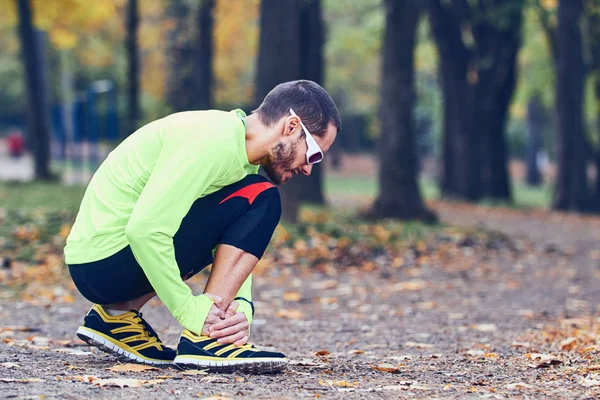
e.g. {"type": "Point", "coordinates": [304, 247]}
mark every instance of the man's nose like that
{"type": "Point", "coordinates": [307, 169]}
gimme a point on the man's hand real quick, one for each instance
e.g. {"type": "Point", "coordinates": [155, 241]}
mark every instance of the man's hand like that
{"type": "Point", "coordinates": [215, 315]}
{"type": "Point", "coordinates": [232, 329]}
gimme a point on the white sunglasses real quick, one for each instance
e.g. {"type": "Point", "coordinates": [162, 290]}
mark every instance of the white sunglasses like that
{"type": "Point", "coordinates": [314, 154]}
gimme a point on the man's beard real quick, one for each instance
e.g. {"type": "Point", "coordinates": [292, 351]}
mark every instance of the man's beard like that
{"type": "Point", "coordinates": [280, 162]}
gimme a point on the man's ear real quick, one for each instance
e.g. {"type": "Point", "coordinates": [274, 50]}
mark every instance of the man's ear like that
{"type": "Point", "coordinates": [292, 124]}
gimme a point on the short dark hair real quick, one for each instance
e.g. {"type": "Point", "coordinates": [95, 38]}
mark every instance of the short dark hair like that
{"type": "Point", "coordinates": [308, 99]}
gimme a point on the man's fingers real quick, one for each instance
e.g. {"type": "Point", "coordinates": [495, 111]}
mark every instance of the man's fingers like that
{"type": "Point", "coordinates": [241, 327]}
{"type": "Point", "coordinates": [232, 338]}
{"type": "Point", "coordinates": [231, 310]}
{"type": "Point", "coordinates": [236, 319]}
{"type": "Point", "coordinates": [214, 297]}
{"type": "Point", "coordinates": [242, 341]}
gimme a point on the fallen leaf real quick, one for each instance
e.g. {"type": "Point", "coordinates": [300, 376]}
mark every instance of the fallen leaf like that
{"type": "Point", "coordinates": [386, 368]}
{"type": "Point", "coordinates": [409, 285]}
{"type": "Point", "coordinates": [541, 357]}
{"type": "Point", "coordinates": [292, 296]}
{"type": "Point", "coordinates": [195, 372]}
{"type": "Point", "coordinates": [10, 365]}
{"type": "Point", "coordinates": [338, 383]}
{"type": "Point", "coordinates": [595, 367]}
{"type": "Point", "coordinates": [568, 344]}
{"type": "Point", "coordinates": [322, 353]}
{"type": "Point", "coordinates": [17, 328]}
{"type": "Point", "coordinates": [525, 345]}
{"type": "Point", "coordinates": [325, 285]}
{"type": "Point", "coordinates": [418, 345]}
{"type": "Point", "coordinates": [124, 382]}
{"type": "Point", "coordinates": [485, 327]}
{"type": "Point", "coordinates": [518, 386]}
{"type": "Point", "coordinates": [132, 368]}
{"type": "Point", "coordinates": [308, 363]}
{"type": "Point", "coordinates": [357, 352]}
{"type": "Point", "coordinates": [239, 379]}
{"type": "Point", "coordinates": [85, 378]}
{"type": "Point", "coordinates": [547, 360]}
{"type": "Point", "coordinates": [289, 313]}
{"type": "Point", "coordinates": [21, 380]}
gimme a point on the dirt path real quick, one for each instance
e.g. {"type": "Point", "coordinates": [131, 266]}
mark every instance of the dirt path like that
{"type": "Point", "coordinates": [459, 315]}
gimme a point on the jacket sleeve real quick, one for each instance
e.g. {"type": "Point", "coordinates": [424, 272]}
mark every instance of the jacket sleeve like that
{"type": "Point", "coordinates": [182, 172]}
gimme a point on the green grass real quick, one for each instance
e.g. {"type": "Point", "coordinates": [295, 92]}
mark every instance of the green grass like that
{"type": "Point", "coordinates": [32, 196]}
{"type": "Point", "coordinates": [525, 197]}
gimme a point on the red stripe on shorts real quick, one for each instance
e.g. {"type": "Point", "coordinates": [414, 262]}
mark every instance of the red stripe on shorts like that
{"type": "Point", "coordinates": [250, 192]}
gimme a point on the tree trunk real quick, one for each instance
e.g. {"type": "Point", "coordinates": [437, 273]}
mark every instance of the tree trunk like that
{"type": "Point", "coordinates": [399, 195]}
{"type": "Point", "coordinates": [37, 99]}
{"type": "Point", "coordinates": [461, 177]}
{"type": "Point", "coordinates": [278, 62]}
{"type": "Point", "coordinates": [498, 81]}
{"type": "Point", "coordinates": [180, 75]}
{"type": "Point", "coordinates": [311, 67]}
{"type": "Point", "coordinates": [535, 116]}
{"type": "Point", "coordinates": [478, 82]}
{"type": "Point", "coordinates": [133, 69]}
{"type": "Point", "coordinates": [596, 199]}
{"type": "Point", "coordinates": [571, 191]}
{"type": "Point", "coordinates": [204, 76]}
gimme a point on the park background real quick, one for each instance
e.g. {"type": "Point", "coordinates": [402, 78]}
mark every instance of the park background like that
{"type": "Point", "coordinates": [464, 180]}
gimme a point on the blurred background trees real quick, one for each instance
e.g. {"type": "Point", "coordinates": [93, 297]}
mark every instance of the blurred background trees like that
{"type": "Point", "coordinates": [454, 96]}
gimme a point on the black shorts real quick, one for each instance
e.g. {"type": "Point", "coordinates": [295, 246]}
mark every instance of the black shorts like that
{"type": "Point", "coordinates": [243, 215]}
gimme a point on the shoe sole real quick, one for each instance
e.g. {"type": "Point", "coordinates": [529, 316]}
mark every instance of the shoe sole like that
{"type": "Point", "coordinates": [97, 340]}
{"type": "Point", "coordinates": [256, 367]}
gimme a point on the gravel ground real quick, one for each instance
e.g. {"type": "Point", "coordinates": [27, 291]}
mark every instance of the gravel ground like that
{"type": "Point", "coordinates": [500, 317]}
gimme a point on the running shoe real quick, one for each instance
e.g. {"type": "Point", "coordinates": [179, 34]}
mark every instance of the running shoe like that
{"type": "Point", "coordinates": [127, 336]}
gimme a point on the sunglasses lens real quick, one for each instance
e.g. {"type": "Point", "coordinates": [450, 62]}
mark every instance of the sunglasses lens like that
{"type": "Point", "coordinates": [316, 157]}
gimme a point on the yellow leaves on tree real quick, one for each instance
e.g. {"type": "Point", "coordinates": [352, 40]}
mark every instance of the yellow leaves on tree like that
{"type": "Point", "coordinates": [236, 44]}
{"type": "Point", "coordinates": [67, 20]}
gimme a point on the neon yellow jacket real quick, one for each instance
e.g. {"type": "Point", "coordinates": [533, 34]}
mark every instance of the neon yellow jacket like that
{"type": "Point", "coordinates": [145, 187]}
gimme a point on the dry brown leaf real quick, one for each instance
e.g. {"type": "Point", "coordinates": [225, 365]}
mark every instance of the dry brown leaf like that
{"type": "Point", "coordinates": [540, 357]}
{"type": "Point", "coordinates": [385, 367]}
{"type": "Point", "coordinates": [289, 313]}
{"type": "Point", "coordinates": [322, 353]}
{"type": "Point", "coordinates": [325, 285]}
{"type": "Point", "coordinates": [357, 352]}
{"type": "Point", "coordinates": [8, 380]}
{"type": "Point", "coordinates": [568, 344]}
{"type": "Point", "coordinates": [214, 379]}
{"type": "Point", "coordinates": [14, 328]}
{"type": "Point", "coordinates": [292, 296]}
{"type": "Point", "coordinates": [418, 345]}
{"type": "Point", "coordinates": [117, 382]}
{"type": "Point", "coordinates": [409, 285]}
{"type": "Point", "coordinates": [132, 368]}
{"type": "Point", "coordinates": [338, 383]}
{"type": "Point", "coordinates": [195, 372]}
{"type": "Point", "coordinates": [308, 363]}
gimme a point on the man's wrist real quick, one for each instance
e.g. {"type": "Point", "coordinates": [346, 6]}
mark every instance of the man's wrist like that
{"type": "Point", "coordinates": [246, 306]}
